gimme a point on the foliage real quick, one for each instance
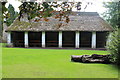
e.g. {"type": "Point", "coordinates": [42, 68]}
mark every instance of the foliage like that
{"type": "Point", "coordinates": [60, 11]}
{"type": "Point", "coordinates": [113, 44]}
{"type": "Point", "coordinates": [11, 15]}
{"type": "Point", "coordinates": [112, 15]}
{"type": "Point", "coordinates": [3, 10]}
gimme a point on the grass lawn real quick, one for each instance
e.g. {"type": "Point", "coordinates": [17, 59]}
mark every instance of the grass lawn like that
{"type": "Point", "coordinates": [52, 63]}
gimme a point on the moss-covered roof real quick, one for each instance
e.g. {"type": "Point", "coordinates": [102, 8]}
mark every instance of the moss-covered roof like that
{"type": "Point", "coordinates": [82, 21]}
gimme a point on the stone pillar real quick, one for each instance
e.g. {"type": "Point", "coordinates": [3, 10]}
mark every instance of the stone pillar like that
{"type": "Point", "coordinates": [77, 39]}
{"type": "Point", "coordinates": [26, 39]}
{"type": "Point", "coordinates": [93, 39]}
{"type": "Point", "coordinates": [60, 39]}
{"type": "Point", "coordinates": [43, 39]}
{"type": "Point", "coordinates": [9, 39]}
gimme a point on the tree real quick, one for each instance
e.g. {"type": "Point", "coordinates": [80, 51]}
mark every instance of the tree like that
{"type": "Point", "coordinates": [11, 15]}
{"type": "Point", "coordinates": [3, 10]}
{"type": "Point", "coordinates": [113, 45]}
{"type": "Point", "coordinates": [33, 9]}
{"type": "Point", "coordinates": [112, 15]}
{"type": "Point", "coordinates": [7, 15]}
{"type": "Point", "coordinates": [48, 9]}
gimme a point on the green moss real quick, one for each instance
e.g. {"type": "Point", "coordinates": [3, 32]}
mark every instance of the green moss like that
{"type": "Point", "coordinates": [21, 25]}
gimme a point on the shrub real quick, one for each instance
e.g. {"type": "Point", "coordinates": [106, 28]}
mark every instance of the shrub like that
{"type": "Point", "coordinates": [113, 45]}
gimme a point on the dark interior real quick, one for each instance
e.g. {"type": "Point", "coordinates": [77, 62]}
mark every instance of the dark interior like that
{"type": "Point", "coordinates": [85, 39]}
{"type": "Point", "coordinates": [101, 39]}
{"type": "Point", "coordinates": [17, 39]}
{"type": "Point", "coordinates": [68, 39]}
{"type": "Point", "coordinates": [51, 38]}
{"type": "Point", "coordinates": [35, 39]}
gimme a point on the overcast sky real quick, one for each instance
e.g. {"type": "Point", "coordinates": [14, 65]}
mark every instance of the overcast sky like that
{"type": "Point", "coordinates": [96, 6]}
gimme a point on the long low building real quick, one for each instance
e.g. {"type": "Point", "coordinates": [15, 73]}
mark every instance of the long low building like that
{"type": "Point", "coordinates": [85, 30]}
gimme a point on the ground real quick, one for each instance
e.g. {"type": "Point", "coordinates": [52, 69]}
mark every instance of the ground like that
{"type": "Point", "coordinates": [52, 63]}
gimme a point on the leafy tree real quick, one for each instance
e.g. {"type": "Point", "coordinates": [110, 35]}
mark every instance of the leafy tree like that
{"type": "Point", "coordinates": [3, 10]}
{"type": "Point", "coordinates": [48, 9]}
{"type": "Point", "coordinates": [113, 45]}
{"type": "Point", "coordinates": [112, 15]}
{"type": "Point", "coordinates": [6, 15]}
{"type": "Point", "coordinates": [34, 9]}
{"type": "Point", "coordinates": [11, 15]}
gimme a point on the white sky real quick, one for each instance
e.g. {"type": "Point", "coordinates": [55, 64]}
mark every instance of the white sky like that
{"type": "Point", "coordinates": [96, 6]}
{"type": "Point", "coordinates": [15, 4]}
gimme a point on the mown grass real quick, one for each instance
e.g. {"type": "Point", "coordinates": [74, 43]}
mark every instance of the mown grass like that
{"type": "Point", "coordinates": [52, 63]}
{"type": "Point", "coordinates": [0, 61]}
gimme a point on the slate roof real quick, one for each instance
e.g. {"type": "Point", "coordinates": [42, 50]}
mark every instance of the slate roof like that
{"type": "Point", "coordinates": [79, 21]}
